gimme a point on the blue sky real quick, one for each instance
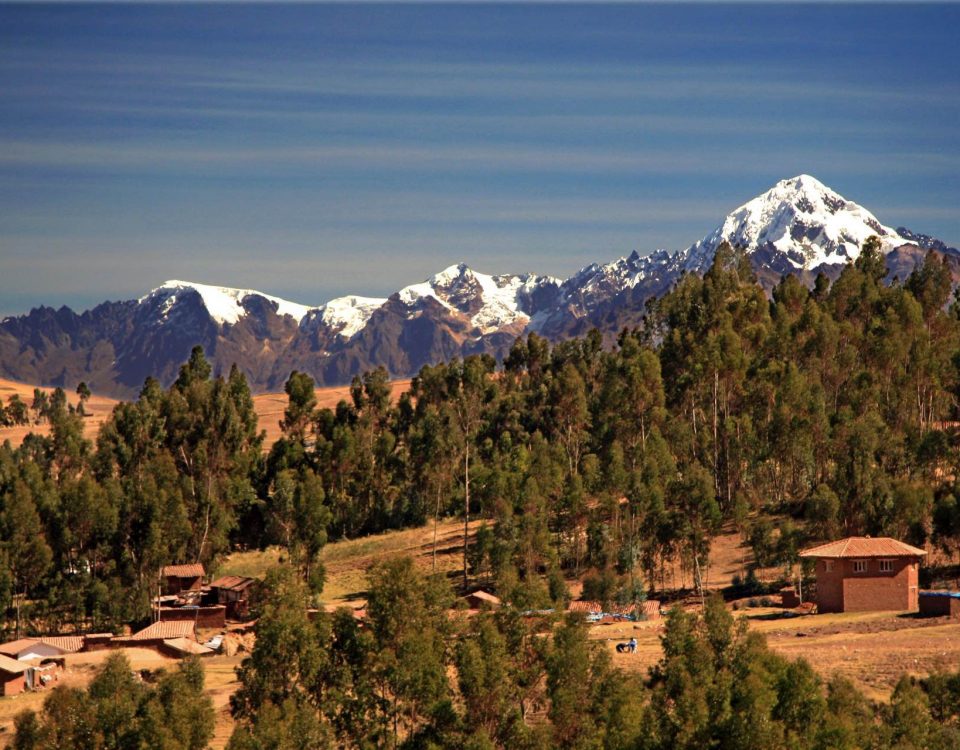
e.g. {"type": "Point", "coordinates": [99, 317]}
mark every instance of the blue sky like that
{"type": "Point", "coordinates": [315, 150]}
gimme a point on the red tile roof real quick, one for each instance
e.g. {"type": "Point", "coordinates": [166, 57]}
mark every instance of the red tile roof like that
{"type": "Point", "coordinates": [864, 546]}
{"type": "Point", "coordinates": [68, 643]}
{"type": "Point", "coordinates": [165, 630]}
{"type": "Point", "coordinates": [192, 570]}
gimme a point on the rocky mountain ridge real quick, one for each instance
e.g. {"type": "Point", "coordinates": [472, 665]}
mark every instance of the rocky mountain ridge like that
{"type": "Point", "coordinates": [798, 226]}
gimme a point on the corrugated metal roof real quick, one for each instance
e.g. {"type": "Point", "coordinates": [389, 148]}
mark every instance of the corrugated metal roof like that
{"type": "Point", "coordinates": [864, 546]}
{"type": "Point", "coordinates": [187, 646]}
{"type": "Point", "coordinates": [232, 582]}
{"type": "Point", "coordinates": [192, 570]}
{"type": "Point", "coordinates": [12, 666]}
{"type": "Point", "coordinates": [165, 630]}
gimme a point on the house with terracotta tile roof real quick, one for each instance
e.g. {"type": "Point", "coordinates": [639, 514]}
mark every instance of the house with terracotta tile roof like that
{"type": "Point", "coordinates": [862, 573]}
{"type": "Point", "coordinates": [27, 649]}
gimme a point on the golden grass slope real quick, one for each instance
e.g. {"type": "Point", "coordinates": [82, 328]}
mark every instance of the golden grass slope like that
{"type": "Point", "coordinates": [269, 408]}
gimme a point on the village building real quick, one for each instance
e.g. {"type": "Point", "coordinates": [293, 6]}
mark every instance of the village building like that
{"type": "Point", "coordinates": [236, 593]}
{"type": "Point", "coordinates": [29, 649]}
{"type": "Point", "coordinates": [860, 574]}
{"type": "Point", "coordinates": [180, 578]}
{"type": "Point", "coordinates": [12, 676]}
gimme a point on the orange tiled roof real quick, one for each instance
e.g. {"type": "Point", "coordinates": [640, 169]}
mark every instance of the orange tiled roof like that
{"type": "Point", "coordinates": [165, 630]}
{"type": "Point", "coordinates": [69, 643]}
{"type": "Point", "coordinates": [864, 546]}
{"type": "Point", "coordinates": [191, 570]}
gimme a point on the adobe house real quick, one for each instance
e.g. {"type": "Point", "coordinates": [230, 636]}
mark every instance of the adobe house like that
{"type": "Point", "coordinates": [13, 677]}
{"type": "Point", "coordinates": [861, 574]}
{"type": "Point", "coordinates": [29, 649]}
{"type": "Point", "coordinates": [177, 578]}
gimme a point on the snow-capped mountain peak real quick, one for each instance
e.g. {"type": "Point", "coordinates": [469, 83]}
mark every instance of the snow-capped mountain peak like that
{"type": "Point", "coordinates": [801, 218]}
{"type": "Point", "coordinates": [348, 315]}
{"type": "Point", "coordinates": [224, 304]}
{"type": "Point", "coordinates": [489, 302]}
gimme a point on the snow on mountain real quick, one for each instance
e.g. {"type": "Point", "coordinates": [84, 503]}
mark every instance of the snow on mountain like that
{"type": "Point", "coordinates": [490, 302]}
{"type": "Point", "coordinates": [801, 218]}
{"type": "Point", "coordinates": [348, 315]}
{"type": "Point", "coordinates": [618, 275]}
{"type": "Point", "coordinates": [224, 304]}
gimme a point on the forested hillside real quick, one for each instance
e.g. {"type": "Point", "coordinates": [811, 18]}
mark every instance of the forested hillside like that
{"type": "Point", "coordinates": [830, 408]}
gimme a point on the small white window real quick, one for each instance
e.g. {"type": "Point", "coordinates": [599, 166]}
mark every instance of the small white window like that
{"type": "Point", "coordinates": [829, 565]}
{"type": "Point", "coordinates": [859, 566]}
{"type": "Point", "coordinates": [886, 566]}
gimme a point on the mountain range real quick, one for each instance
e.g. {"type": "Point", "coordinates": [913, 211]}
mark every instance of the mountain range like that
{"type": "Point", "coordinates": [799, 226]}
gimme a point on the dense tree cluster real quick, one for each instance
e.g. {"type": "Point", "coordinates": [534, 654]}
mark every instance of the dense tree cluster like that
{"type": "Point", "coordinates": [414, 676]}
{"type": "Point", "coordinates": [816, 413]}
{"type": "Point", "coordinates": [15, 413]}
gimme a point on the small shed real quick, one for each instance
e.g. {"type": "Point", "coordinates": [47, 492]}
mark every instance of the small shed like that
{"type": "Point", "coordinates": [177, 578]}
{"type": "Point", "coordinates": [940, 604]}
{"type": "Point", "coordinates": [13, 677]}
{"type": "Point", "coordinates": [236, 593]}
{"type": "Point", "coordinates": [863, 574]}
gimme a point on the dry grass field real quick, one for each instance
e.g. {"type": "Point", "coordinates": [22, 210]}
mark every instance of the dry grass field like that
{"type": "Point", "coordinates": [98, 410]}
{"type": "Point", "coordinates": [871, 648]}
{"type": "Point", "coordinates": [269, 408]}
{"type": "Point", "coordinates": [348, 561]}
